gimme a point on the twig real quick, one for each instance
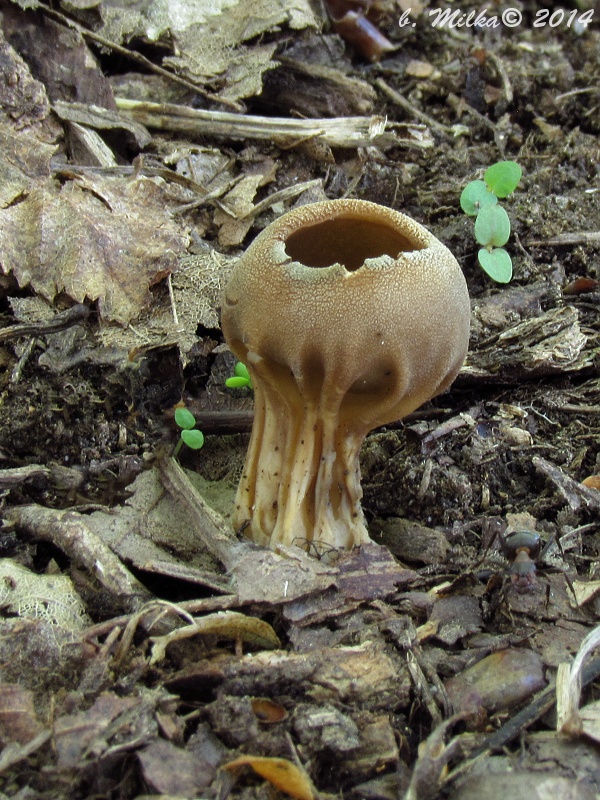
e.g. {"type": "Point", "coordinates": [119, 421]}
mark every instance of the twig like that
{"type": "Point", "coordinates": [337, 132]}
{"type": "Point", "coordinates": [505, 80]}
{"type": "Point", "coordinates": [569, 239]}
{"type": "Point", "coordinates": [574, 92]}
{"type": "Point", "coordinates": [17, 371]}
{"type": "Point", "coordinates": [210, 526]}
{"type": "Point", "coordinates": [459, 106]}
{"type": "Point", "coordinates": [14, 752]}
{"type": "Point", "coordinates": [68, 531]}
{"type": "Point", "coordinates": [576, 494]}
{"type": "Point", "coordinates": [138, 58]}
{"type": "Point", "coordinates": [65, 319]}
{"type": "Point", "coordinates": [205, 605]}
{"type": "Point", "coordinates": [401, 101]}
{"type": "Point", "coordinates": [18, 475]}
{"type": "Point", "coordinates": [173, 303]}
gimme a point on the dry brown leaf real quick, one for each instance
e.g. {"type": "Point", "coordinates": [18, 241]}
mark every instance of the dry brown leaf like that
{"type": "Point", "coordinates": [280, 772]}
{"type": "Point", "coordinates": [75, 74]}
{"type": "Point", "coordinates": [95, 239]}
{"type": "Point", "coordinates": [23, 100]}
{"type": "Point", "coordinates": [23, 160]}
{"type": "Point", "coordinates": [225, 624]}
{"type": "Point", "coordinates": [74, 733]}
{"type": "Point", "coordinates": [173, 771]}
{"type": "Point", "coordinates": [18, 721]}
{"type": "Point", "coordinates": [208, 37]}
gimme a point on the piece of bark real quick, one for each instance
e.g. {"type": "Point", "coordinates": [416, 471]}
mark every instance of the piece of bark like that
{"type": "Point", "coordinates": [410, 541]}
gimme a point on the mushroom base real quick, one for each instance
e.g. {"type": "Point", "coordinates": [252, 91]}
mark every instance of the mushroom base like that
{"type": "Point", "coordinates": [301, 479]}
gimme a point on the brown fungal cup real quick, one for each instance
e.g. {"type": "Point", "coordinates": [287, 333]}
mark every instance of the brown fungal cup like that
{"type": "Point", "coordinates": [348, 316]}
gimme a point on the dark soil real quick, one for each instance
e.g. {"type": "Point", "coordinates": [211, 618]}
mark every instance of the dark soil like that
{"type": "Point", "coordinates": [508, 447]}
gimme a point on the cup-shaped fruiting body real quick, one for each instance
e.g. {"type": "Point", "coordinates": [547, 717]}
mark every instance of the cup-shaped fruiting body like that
{"type": "Point", "coordinates": [348, 316]}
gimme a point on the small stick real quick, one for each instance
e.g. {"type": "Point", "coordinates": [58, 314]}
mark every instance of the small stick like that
{"type": "Point", "coordinates": [540, 704]}
{"type": "Point", "coordinates": [337, 132]}
{"type": "Point", "coordinates": [68, 531]}
{"type": "Point", "coordinates": [401, 101]}
{"type": "Point", "coordinates": [576, 494]}
{"type": "Point", "coordinates": [567, 239]}
{"type": "Point", "coordinates": [210, 526]}
{"type": "Point", "coordinates": [205, 605]}
{"type": "Point", "coordinates": [138, 58]}
{"type": "Point", "coordinates": [65, 319]}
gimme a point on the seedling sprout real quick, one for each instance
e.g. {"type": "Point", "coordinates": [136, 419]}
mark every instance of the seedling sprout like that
{"type": "Point", "coordinates": [190, 435]}
{"type": "Point", "coordinates": [241, 377]}
{"type": "Point", "coordinates": [492, 225]}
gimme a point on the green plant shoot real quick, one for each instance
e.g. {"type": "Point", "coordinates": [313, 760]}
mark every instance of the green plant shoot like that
{"type": "Point", "coordinates": [503, 177]}
{"type": "Point", "coordinates": [241, 377]}
{"type": "Point", "coordinates": [476, 196]}
{"type": "Point", "coordinates": [492, 225]}
{"type": "Point", "coordinates": [189, 435]}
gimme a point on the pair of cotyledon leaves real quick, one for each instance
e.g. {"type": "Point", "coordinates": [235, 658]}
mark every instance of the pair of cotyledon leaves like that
{"type": "Point", "coordinates": [492, 225]}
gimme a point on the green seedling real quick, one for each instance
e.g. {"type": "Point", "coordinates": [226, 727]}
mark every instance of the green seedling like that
{"type": "Point", "coordinates": [241, 377]}
{"type": "Point", "coordinates": [492, 226]}
{"type": "Point", "coordinates": [189, 436]}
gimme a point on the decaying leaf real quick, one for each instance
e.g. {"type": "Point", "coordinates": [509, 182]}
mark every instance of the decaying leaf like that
{"type": "Point", "coordinates": [225, 624]}
{"type": "Point", "coordinates": [173, 771]}
{"type": "Point", "coordinates": [18, 720]}
{"type": "Point", "coordinates": [101, 118]}
{"type": "Point", "coordinates": [109, 718]}
{"type": "Point", "coordinates": [209, 37]}
{"type": "Point", "coordinates": [48, 597]}
{"type": "Point", "coordinates": [23, 99]}
{"type": "Point", "coordinates": [23, 160]}
{"type": "Point", "coordinates": [280, 772]}
{"type": "Point", "coordinates": [96, 239]}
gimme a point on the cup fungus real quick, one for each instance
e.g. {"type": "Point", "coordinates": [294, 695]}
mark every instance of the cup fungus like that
{"type": "Point", "coordinates": [348, 316]}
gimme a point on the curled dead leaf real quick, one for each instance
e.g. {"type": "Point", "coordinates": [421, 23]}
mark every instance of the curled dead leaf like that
{"type": "Point", "coordinates": [226, 624]}
{"type": "Point", "coordinates": [280, 772]}
{"type": "Point", "coordinates": [592, 482]}
{"type": "Point", "coordinates": [267, 711]}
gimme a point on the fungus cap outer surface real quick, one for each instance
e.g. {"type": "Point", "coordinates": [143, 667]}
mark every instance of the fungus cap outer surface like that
{"type": "Point", "coordinates": [348, 316]}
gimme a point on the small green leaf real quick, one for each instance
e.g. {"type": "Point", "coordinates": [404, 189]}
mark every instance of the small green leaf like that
{"type": "Point", "coordinates": [502, 178]}
{"type": "Point", "coordinates": [237, 382]}
{"type": "Point", "coordinates": [194, 439]}
{"type": "Point", "coordinates": [184, 418]}
{"type": "Point", "coordinates": [241, 370]}
{"type": "Point", "coordinates": [476, 196]}
{"type": "Point", "coordinates": [497, 263]}
{"type": "Point", "coordinates": [492, 227]}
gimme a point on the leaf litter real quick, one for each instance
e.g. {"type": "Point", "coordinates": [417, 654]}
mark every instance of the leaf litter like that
{"type": "Point", "coordinates": [122, 558]}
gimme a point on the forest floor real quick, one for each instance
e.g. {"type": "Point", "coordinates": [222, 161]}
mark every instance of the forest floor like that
{"type": "Point", "coordinates": [145, 649]}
